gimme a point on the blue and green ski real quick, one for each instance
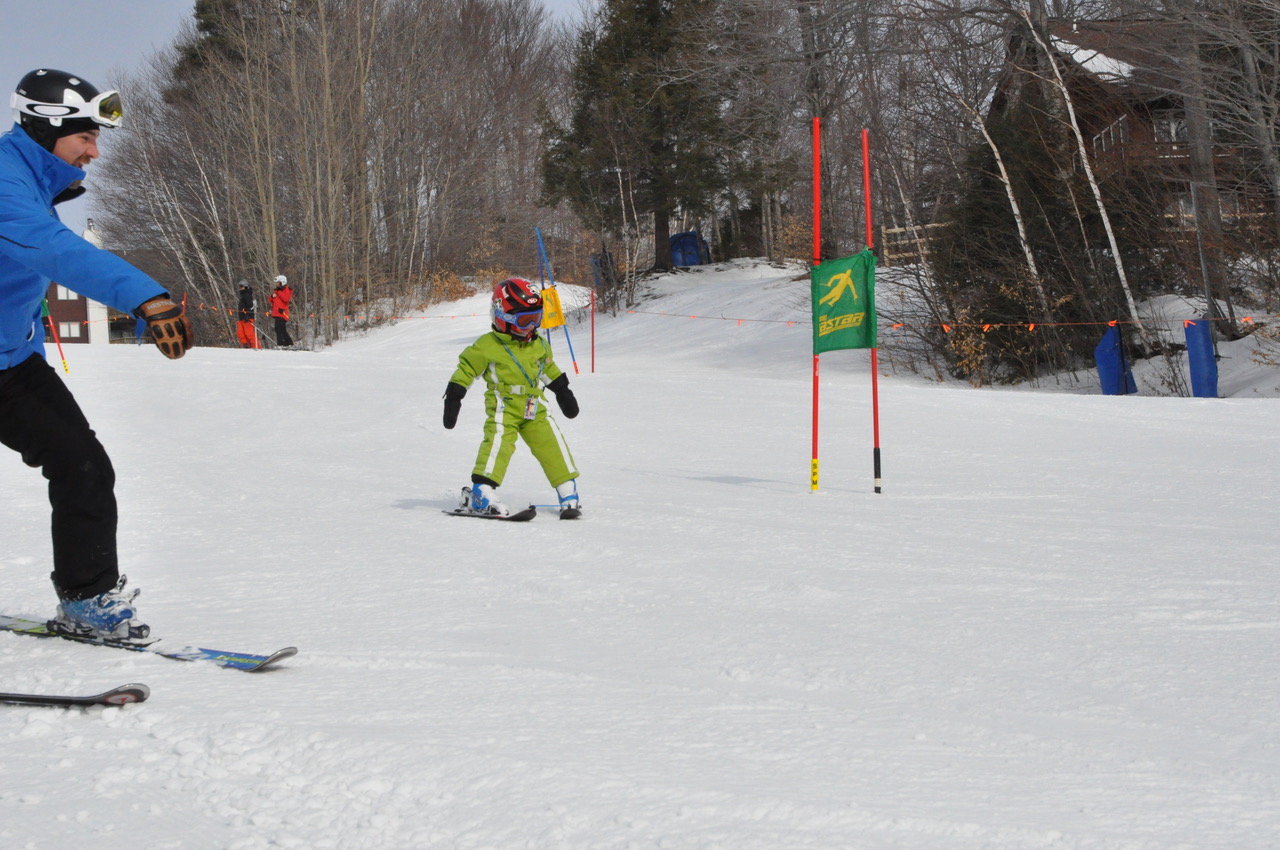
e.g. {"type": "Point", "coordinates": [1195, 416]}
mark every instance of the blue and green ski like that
{"type": "Point", "coordinates": [235, 660]}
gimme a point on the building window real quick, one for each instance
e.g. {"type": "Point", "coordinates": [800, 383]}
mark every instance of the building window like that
{"type": "Point", "coordinates": [65, 294]}
{"type": "Point", "coordinates": [1231, 204]}
{"type": "Point", "coordinates": [1182, 211]}
{"type": "Point", "coordinates": [69, 330]}
{"type": "Point", "coordinates": [1170, 127]}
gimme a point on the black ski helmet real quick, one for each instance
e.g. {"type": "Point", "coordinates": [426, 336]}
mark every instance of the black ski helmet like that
{"type": "Point", "coordinates": [50, 104]}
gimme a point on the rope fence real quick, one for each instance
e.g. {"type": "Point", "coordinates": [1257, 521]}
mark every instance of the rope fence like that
{"type": "Point", "coordinates": [946, 327]}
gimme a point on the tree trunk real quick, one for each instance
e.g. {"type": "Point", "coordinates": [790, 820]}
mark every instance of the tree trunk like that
{"type": "Point", "coordinates": [1262, 128]}
{"type": "Point", "coordinates": [1204, 190]}
{"type": "Point", "coordinates": [662, 240]}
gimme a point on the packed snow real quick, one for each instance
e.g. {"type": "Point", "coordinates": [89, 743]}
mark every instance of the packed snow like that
{"type": "Point", "coordinates": [1055, 627]}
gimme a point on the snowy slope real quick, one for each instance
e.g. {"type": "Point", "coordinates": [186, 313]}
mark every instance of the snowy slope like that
{"type": "Point", "coordinates": [1056, 627]}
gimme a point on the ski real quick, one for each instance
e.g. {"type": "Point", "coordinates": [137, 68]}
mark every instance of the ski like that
{"type": "Point", "coordinates": [519, 516]}
{"type": "Point", "coordinates": [563, 513]}
{"type": "Point", "coordinates": [122, 695]}
{"type": "Point", "coordinates": [235, 660]}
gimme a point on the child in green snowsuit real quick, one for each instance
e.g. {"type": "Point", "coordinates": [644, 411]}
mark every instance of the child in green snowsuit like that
{"type": "Point", "coordinates": [516, 365]}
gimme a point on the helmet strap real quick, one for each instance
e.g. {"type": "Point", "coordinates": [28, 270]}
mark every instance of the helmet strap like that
{"type": "Point", "coordinates": [41, 132]}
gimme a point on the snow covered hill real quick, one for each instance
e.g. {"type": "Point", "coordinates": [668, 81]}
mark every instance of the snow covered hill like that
{"type": "Point", "coordinates": [1056, 627]}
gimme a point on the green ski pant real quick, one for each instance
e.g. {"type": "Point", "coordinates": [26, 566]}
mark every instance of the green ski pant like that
{"type": "Point", "coordinates": [541, 434]}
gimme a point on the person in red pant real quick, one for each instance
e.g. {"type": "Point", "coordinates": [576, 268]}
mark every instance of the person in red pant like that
{"type": "Point", "coordinates": [280, 299]}
{"type": "Point", "coordinates": [246, 334]}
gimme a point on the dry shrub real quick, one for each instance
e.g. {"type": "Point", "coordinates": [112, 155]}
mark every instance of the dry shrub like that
{"type": "Point", "coordinates": [486, 279]}
{"type": "Point", "coordinates": [795, 239]}
{"type": "Point", "coordinates": [1267, 351]}
{"type": "Point", "coordinates": [447, 286]}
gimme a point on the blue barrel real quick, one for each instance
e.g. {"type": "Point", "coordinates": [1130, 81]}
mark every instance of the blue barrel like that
{"type": "Point", "coordinates": [1200, 357]}
{"type": "Point", "coordinates": [1113, 367]}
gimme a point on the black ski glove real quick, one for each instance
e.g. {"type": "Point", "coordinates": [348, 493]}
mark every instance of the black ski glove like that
{"type": "Point", "coordinates": [453, 394]}
{"type": "Point", "coordinates": [564, 396]}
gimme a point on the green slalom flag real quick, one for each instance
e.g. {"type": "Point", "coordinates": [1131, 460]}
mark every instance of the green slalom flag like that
{"type": "Point", "coordinates": [844, 303]}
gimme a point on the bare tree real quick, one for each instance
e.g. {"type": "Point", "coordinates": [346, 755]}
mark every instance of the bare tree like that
{"type": "Point", "coordinates": [359, 146]}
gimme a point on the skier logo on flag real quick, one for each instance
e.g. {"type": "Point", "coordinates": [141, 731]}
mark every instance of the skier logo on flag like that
{"type": "Point", "coordinates": [836, 285]}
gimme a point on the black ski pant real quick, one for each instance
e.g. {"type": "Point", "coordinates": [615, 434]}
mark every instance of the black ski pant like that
{"type": "Point", "coordinates": [282, 333]}
{"type": "Point", "coordinates": [40, 419]}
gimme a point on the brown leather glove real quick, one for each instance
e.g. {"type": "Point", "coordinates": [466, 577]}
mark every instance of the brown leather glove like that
{"type": "Point", "coordinates": [169, 326]}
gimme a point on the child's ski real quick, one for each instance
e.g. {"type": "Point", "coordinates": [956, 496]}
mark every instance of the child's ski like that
{"type": "Point", "coordinates": [519, 516]}
{"type": "Point", "coordinates": [235, 660]}
{"type": "Point", "coordinates": [116, 696]}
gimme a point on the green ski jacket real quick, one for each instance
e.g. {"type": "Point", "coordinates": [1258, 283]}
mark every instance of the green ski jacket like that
{"type": "Point", "coordinates": [513, 370]}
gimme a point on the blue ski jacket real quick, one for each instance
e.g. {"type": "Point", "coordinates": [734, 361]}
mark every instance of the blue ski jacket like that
{"type": "Point", "coordinates": [36, 248]}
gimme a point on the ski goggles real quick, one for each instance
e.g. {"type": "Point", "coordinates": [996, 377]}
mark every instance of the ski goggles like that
{"type": "Point", "coordinates": [526, 321]}
{"type": "Point", "coordinates": [106, 108]}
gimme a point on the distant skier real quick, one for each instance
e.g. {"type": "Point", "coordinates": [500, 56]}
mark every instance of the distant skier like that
{"type": "Point", "coordinates": [516, 364]}
{"type": "Point", "coordinates": [42, 158]}
{"type": "Point", "coordinates": [246, 333]}
{"type": "Point", "coordinates": [280, 298]}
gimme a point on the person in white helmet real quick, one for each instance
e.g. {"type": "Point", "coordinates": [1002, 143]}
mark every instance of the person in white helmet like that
{"type": "Point", "coordinates": [280, 298]}
{"type": "Point", "coordinates": [42, 160]}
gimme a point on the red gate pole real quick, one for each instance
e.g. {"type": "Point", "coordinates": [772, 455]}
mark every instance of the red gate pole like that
{"type": "Point", "coordinates": [817, 258]}
{"type": "Point", "coordinates": [875, 366]}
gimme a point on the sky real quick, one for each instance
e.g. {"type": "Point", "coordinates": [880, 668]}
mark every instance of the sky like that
{"type": "Point", "coordinates": [95, 40]}
{"type": "Point", "coordinates": [100, 41]}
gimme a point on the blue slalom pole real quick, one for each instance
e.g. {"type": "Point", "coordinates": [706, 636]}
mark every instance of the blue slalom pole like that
{"type": "Point", "coordinates": [544, 262]}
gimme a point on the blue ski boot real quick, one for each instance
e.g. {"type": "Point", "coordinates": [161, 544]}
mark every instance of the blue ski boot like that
{"type": "Point", "coordinates": [568, 493]}
{"type": "Point", "coordinates": [109, 616]}
{"type": "Point", "coordinates": [483, 499]}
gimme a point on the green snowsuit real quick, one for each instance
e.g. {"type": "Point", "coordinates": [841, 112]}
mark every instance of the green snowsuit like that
{"type": "Point", "coordinates": [515, 373]}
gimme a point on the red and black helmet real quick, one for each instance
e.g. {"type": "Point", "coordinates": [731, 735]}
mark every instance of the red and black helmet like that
{"type": "Point", "coordinates": [517, 308]}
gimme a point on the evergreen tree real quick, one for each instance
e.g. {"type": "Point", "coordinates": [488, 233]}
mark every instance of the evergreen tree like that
{"type": "Point", "coordinates": [217, 25]}
{"type": "Point", "coordinates": [639, 142]}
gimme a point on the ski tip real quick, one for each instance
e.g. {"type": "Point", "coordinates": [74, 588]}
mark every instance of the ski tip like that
{"type": "Point", "coordinates": [274, 658]}
{"type": "Point", "coordinates": [125, 694]}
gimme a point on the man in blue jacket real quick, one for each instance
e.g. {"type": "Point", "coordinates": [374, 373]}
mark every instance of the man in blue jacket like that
{"type": "Point", "coordinates": [58, 118]}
